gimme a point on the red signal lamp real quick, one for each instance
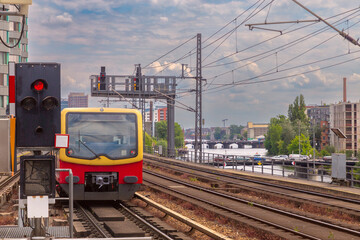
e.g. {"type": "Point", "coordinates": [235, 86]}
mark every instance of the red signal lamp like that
{"type": "Point", "coordinates": [39, 85]}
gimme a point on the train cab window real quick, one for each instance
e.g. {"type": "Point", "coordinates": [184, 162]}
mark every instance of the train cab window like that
{"type": "Point", "coordinates": [92, 135]}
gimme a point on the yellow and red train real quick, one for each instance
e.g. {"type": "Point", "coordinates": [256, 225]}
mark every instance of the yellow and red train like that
{"type": "Point", "coordinates": [105, 152]}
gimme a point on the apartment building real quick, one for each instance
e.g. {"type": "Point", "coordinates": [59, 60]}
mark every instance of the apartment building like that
{"type": "Point", "coordinates": [325, 134]}
{"type": "Point", "coordinates": [160, 114]}
{"type": "Point", "coordinates": [318, 113]}
{"type": "Point", "coordinates": [10, 32]}
{"type": "Point", "coordinates": [345, 116]}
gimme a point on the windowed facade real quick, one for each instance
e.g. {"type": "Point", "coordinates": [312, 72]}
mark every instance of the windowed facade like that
{"type": "Point", "coordinates": [10, 29]}
{"type": "Point", "coordinates": [344, 116]}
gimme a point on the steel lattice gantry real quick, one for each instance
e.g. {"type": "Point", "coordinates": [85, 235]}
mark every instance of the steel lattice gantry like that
{"type": "Point", "coordinates": [141, 88]}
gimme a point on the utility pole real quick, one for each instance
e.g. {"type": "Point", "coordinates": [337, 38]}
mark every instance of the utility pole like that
{"type": "Point", "coordinates": [198, 114]}
{"type": "Point", "coordinates": [224, 121]}
{"type": "Point", "coordinates": [141, 98]}
{"type": "Point", "coordinates": [183, 69]}
{"type": "Point", "coordinates": [314, 142]}
{"type": "Point", "coordinates": [299, 135]}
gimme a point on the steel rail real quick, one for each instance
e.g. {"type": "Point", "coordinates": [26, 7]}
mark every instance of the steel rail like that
{"type": "Point", "coordinates": [92, 221]}
{"type": "Point", "coordinates": [314, 221]}
{"type": "Point", "coordinates": [350, 200]}
{"type": "Point", "coordinates": [10, 179]}
{"type": "Point", "coordinates": [183, 219]}
{"type": "Point", "coordinates": [143, 221]}
{"type": "Point", "coordinates": [259, 188]}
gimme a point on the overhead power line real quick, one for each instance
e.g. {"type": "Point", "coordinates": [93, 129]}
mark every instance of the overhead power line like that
{"type": "Point", "coordinates": [282, 48]}
{"type": "Point", "coordinates": [346, 36]}
{"type": "Point", "coordinates": [170, 51]}
{"type": "Point", "coordinates": [272, 38]}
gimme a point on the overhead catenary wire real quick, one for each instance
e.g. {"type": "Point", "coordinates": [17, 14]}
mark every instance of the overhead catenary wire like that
{"type": "Point", "coordinates": [186, 55]}
{"type": "Point", "coordinates": [284, 70]}
{"type": "Point", "coordinates": [228, 34]}
{"type": "Point", "coordinates": [298, 74]}
{"type": "Point", "coordinates": [281, 48]}
{"type": "Point", "coordinates": [293, 43]}
{"type": "Point", "coordinates": [188, 108]}
{"type": "Point", "coordinates": [247, 81]}
{"type": "Point", "coordinates": [170, 51]}
{"type": "Point", "coordinates": [272, 38]}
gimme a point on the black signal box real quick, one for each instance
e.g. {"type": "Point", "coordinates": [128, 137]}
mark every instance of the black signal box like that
{"type": "Point", "coordinates": [37, 176]}
{"type": "Point", "coordinates": [37, 104]}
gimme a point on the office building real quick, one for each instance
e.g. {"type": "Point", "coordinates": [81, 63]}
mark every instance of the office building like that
{"type": "Point", "coordinates": [64, 103]}
{"type": "Point", "coordinates": [255, 130]}
{"type": "Point", "coordinates": [78, 100]}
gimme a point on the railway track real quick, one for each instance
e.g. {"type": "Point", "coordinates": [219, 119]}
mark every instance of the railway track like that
{"type": "Point", "coordinates": [9, 180]}
{"type": "Point", "coordinates": [227, 182]}
{"type": "Point", "coordinates": [116, 219]}
{"type": "Point", "coordinates": [6, 186]}
{"type": "Point", "coordinates": [278, 222]}
{"type": "Point", "coordinates": [234, 182]}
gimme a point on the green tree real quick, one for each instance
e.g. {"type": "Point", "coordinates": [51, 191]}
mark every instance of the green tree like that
{"type": "Point", "coordinates": [288, 134]}
{"type": "Point", "coordinates": [149, 141]}
{"type": "Point", "coordinates": [161, 130]}
{"type": "Point", "coordinates": [273, 137]}
{"type": "Point", "coordinates": [297, 109]}
{"type": "Point", "coordinates": [163, 143]}
{"type": "Point", "coordinates": [235, 130]}
{"type": "Point", "coordinates": [161, 133]}
{"type": "Point", "coordinates": [305, 146]}
{"type": "Point", "coordinates": [219, 134]}
{"type": "Point", "coordinates": [301, 127]}
{"type": "Point", "coordinates": [279, 135]}
{"type": "Point", "coordinates": [330, 149]}
{"type": "Point", "coordinates": [324, 153]}
{"type": "Point", "coordinates": [245, 135]}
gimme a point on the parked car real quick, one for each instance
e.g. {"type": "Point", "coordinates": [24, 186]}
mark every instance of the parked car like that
{"type": "Point", "coordinates": [327, 158]}
{"type": "Point", "coordinates": [280, 157]}
{"type": "Point", "coordinates": [298, 157]}
{"type": "Point", "coordinates": [304, 157]}
{"type": "Point", "coordinates": [258, 157]}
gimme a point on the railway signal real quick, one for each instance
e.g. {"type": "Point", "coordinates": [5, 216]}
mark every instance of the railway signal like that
{"type": "Point", "coordinates": [102, 84]}
{"type": "Point", "coordinates": [37, 176]}
{"type": "Point", "coordinates": [37, 104]}
{"type": "Point", "coordinates": [136, 84]}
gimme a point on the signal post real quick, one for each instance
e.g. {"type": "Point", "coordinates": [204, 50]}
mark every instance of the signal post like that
{"type": "Point", "coordinates": [37, 111]}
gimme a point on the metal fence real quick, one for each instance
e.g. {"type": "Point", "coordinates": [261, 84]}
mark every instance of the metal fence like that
{"type": "Point", "coordinates": [318, 170]}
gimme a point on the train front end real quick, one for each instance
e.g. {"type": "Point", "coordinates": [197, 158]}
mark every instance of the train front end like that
{"type": "Point", "coordinates": [105, 153]}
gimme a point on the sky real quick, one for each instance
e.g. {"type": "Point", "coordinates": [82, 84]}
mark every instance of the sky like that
{"type": "Point", "coordinates": [250, 75]}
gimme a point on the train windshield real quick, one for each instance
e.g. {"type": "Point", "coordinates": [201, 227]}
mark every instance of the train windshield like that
{"type": "Point", "coordinates": [92, 135]}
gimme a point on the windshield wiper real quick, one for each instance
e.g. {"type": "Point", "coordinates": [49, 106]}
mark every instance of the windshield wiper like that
{"type": "Point", "coordinates": [88, 148]}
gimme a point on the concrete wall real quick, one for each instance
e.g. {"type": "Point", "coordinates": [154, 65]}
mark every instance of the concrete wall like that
{"type": "Point", "coordinates": [5, 145]}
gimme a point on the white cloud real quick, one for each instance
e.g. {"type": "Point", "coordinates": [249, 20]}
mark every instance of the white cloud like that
{"type": "Point", "coordinates": [85, 34]}
{"type": "Point", "coordinates": [62, 18]}
{"type": "Point", "coordinates": [164, 19]}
